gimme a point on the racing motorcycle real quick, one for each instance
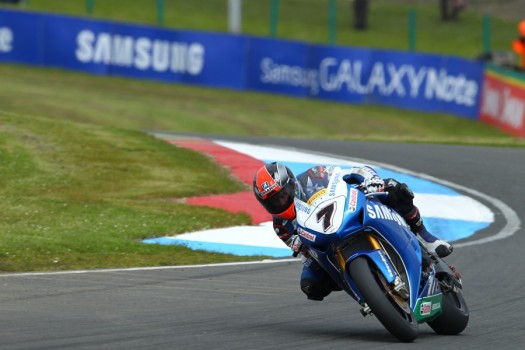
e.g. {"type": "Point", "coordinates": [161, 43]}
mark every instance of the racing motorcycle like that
{"type": "Point", "coordinates": [370, 252]}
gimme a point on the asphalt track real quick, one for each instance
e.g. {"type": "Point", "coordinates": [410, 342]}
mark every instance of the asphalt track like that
{"type": "Point", "coordinates": [260, 306]}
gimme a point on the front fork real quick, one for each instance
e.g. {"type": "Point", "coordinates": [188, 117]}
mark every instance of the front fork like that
{"type": "Point", "coordinates": [389, 276]}
{"type": "Point", "coordinates": [399, 287]}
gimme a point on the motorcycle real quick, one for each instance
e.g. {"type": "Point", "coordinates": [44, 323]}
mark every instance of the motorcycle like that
{"type": "Point", "coordinates": [369, 251]}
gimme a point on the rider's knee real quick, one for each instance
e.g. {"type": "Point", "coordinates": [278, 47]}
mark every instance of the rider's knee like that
{"type": "Point", "coordinates": [315, 290]}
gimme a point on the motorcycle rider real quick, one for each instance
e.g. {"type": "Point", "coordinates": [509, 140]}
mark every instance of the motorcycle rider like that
{"type": "Point", "coordinates": [275, 187]}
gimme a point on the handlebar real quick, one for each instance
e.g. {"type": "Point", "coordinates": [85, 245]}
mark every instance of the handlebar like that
{"type": "Point", "coordinates": [296, 254]}
{"type": "Point", "coordinates": [376, 194]}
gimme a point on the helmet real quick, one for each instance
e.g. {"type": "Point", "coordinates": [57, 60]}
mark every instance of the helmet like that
{"type": "Point", "coordinates": [274, 187]}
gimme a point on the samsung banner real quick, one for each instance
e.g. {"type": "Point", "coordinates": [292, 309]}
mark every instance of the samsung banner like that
{"type": "Point", "coordinates": [428, 83]}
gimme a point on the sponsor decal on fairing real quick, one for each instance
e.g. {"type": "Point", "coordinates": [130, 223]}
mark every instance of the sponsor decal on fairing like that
{"type": "Point", "coordinates": [352, 202]}
{"type": "Point", "coordinates": [380, 211]}
{"type": "Point", "coordinates": [317, 195]}
{"type": "Point", "coordinates": [302, 206]}
{"type": "Point", "coordinates": [387, 265]}
{"type": "Point", "coordinates": [425, 308]}
{"type": "Point", "coordinates": [306, 235]}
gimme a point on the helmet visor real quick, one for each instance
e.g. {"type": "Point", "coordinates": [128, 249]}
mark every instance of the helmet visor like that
{"type": "Point", "coordinates": [280, 201]}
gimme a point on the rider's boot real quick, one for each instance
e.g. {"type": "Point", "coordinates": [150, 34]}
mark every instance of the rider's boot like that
{"type": "Point", "coordinates": [435, 245]}
{"type": "Point", "coordinates": [441, 247]}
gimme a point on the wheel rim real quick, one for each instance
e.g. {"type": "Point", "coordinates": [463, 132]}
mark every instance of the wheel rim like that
{"type": "Point", "coordinates": [401, 305]}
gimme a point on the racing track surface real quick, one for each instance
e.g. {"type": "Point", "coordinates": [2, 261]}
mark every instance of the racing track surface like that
{"type": "Point", "coordinates": [260, 306]}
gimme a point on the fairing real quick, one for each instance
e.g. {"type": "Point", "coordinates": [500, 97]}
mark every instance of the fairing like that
{"type": "Point", "coordinates": [341, 213]}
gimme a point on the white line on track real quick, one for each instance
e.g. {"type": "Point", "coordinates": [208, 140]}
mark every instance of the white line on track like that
{"type": "Point", "coordinates": [151, 268]}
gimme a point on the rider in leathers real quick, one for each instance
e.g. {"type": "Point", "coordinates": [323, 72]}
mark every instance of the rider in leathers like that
{"type": "Point", "coordinates": [275, 187]}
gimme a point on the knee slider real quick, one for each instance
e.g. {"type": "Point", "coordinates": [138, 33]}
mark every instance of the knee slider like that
{"type": "Point", "coordinates": [314, 290]}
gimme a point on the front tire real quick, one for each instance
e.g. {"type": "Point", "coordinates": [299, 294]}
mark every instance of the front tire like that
{"type": "Point", "coordinates": [454, 318]}
{"type": "Point", "coordinates": [402, 325]}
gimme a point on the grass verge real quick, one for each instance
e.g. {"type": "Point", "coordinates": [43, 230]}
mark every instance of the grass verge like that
{"type": "Point", "coordinates": [143, 105]}
{"type": "Point", "coordinates": [76, 195]}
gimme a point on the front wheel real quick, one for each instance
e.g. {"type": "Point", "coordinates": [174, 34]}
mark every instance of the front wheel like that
{"type": "Point", "coordinates": [454, 318]}
{"type": "Point", "coordinates": [401, 324]}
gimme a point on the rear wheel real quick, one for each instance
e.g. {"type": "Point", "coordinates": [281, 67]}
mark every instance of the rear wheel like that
{"type": "Point", "coordinates": [400, 323]}
{"type": "Point", "coordinates": [454, 318]}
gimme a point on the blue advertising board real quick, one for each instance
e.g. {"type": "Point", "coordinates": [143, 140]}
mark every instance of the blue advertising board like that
{"type": "Point", "coordinates": [430, 83]}
{"type": "Point", "coordinates": [111, 48]}
{"type": "Point", "coordinates": [19, 37]}
{"type": "Point", "coordinates": [424, 82]}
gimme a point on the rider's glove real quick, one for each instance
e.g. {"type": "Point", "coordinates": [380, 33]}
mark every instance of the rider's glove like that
{"type": "Point", "coordinates": [294, 243]}
{"type": "Point", "coordinates": [373, 185]}
{"type": "Point", "coordinates": [297, 247]}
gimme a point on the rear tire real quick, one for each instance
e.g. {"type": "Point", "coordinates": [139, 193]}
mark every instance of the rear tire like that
{"type": "Point", "coordinates": [402, 325]}
{"type": "Point", "coordinates": [454, 318]}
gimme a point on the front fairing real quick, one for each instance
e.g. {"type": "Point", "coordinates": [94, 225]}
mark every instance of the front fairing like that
{"type": "Point", "coordinates": [387, 221]}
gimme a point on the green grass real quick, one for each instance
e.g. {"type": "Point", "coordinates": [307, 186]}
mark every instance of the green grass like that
{"type": "Point", "coordinates": [76, 195]}
{"type": "Point", "coordinates": [81, 184]}
{"type": "Point", "coordinates": [142, 105]}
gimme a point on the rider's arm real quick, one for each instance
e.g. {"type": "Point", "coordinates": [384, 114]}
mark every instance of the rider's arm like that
{"type": "Point", "coordinates": [285, 230]}
{"type": "Point", "coordinates": [357, 175]}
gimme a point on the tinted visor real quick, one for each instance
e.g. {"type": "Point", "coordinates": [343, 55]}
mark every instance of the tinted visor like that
{"type": "Point", "coordinates": [280, 201]}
